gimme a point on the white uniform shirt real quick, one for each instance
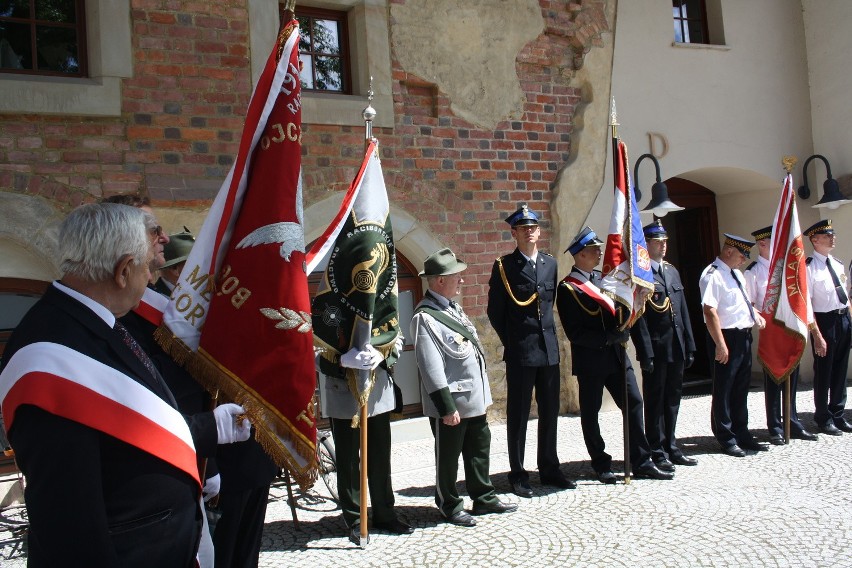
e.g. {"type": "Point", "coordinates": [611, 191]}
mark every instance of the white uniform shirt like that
{"type": "Point", "coordinates": [756, 278]}
{"type": "Point", "coordinates": [719, 290]}
{"type": "Point", "coordinates": [821, 286]}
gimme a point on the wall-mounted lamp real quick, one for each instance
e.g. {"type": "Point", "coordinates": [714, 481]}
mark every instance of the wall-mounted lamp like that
{"type": "Point", "coordinates": [831, 196]}
{"type": "Point", "coordinates": [659, 203]}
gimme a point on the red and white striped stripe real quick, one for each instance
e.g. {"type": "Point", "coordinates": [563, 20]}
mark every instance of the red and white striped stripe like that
{"type": "Point", "coordinates": [68, 383]}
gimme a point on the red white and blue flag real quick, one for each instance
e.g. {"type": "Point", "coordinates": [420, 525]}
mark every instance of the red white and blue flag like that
{"type": "Point", "coordinates": [627, 264]}
{"type": "Point", "coordinates": [787, 306]}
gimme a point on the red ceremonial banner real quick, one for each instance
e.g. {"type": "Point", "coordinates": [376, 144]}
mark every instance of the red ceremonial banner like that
{"type": "Point", "coordinates": [248, 336]}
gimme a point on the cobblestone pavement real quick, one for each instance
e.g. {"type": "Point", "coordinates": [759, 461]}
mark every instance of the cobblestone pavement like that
{"type": "Point", "coordinates": [789, 506]}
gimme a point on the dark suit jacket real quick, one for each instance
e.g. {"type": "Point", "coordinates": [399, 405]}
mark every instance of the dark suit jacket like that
{"type": "Point", "coordinates": [592, 331]}
{"type": "Point", "coordinates": [192, 399]}
{"type": "Point", "coordinates": [93, 500]}
{"type": "Point", "coordinates": [667, 336]}
{"type": "Point", "coordinates": [161, 287]}
{"type": "Point", "coordinates": [527, 340]}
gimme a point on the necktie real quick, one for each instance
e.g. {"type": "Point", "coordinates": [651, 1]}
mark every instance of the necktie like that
{"type": "Point", "coordinates": [662, 271]}
{"type": "Point", "coordinates": [456, 311]}
{"type": "Point", "coordinates": [841, 294]}
{"type": "Point", "coordinates": [745, 297]}
{"type": "Point", "coordinates": [137, 350]}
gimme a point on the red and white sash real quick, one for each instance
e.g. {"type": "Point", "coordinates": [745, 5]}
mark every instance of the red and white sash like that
{"type": "Point", "coordinates": [68, 383]}
{"type": "Point", "coordinates": [151, 306]}
{"type": "Point", "coordinates": [592, 291]}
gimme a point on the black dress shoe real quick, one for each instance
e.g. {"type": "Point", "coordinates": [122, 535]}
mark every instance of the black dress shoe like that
{"type": "Point", "coordinates": [394, 526]}
{"type": "Point", "coordinates": [664, 465]}
{"type": "Point", "coordinates": [843, 425]}
{"type": "Point", "coordinates": [831, 430]}
{"type": "Point", "coordinates": [804, 435]}
{"type": "Point", "coordinates": [651, 471]}
{"type": "Point", "coordinates": [522, 489]}
{"type": "Point", "coordinates": [462, 519]}
{"type": "Point", "coordinates": [606, 477]}
{"type": "Point", "coordinates": [355, 535]}
{"type": "Point", "coordinates": [496, 507]}
{"type": "Point", "coordinates": [683, 460]}
{"type": "Point", "coordinates": [560, 481]}
{"type": "Point", "coordinates": [734, 451]}
{"type": "Point", "coordinates": [753, 445]}
{"type": "Point", "coordinates": [777, 440]}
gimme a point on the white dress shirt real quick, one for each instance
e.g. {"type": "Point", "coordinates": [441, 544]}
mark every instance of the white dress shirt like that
{"type": "Point", "coordinates": [719, 290]}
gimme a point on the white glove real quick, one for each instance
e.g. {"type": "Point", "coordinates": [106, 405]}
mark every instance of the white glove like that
{"type": "Point", "coordinates": [366, 360]}
{"type": "Point", "coordinates": [211, 487]}
{"type": "Point", "coordinates": [228, 429]}
{"type": "Point", "coordinates": [398, 346]}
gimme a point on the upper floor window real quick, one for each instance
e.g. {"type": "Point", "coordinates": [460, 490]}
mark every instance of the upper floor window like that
{"type": "Point", "coordinates": [324, 50]}
{"type": "Point", "coordinates": [690, 21]}
{"type": "Point", "coordinates": [44, 37]}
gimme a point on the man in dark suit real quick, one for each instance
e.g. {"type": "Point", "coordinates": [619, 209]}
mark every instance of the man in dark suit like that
{"type": "Point", "coordinates": [664, 347]}
{"type": "Point", "coordinates": [599, 359]}
{"type": "Point", "coordinates": [520, 308]}
{"type": "Point", "coordinates": [75, 384]}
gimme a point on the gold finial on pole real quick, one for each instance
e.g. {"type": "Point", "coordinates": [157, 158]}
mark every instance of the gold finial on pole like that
{"type": "Point", "coordinates": [788, 162]}
{"type": "Point", "coordinates": [613, 119]}
{"type": "Point", "coordinates": [369, 114]}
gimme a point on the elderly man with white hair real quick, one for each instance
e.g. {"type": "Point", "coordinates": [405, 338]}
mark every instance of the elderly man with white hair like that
{"type": "Point", "coordinates": [110, 463]}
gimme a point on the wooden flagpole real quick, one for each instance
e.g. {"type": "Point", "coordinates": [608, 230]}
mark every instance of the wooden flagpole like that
{"type": "Point", "coordinates": [788, 162]}
{"type": "Point", "coordinates": [369, 114]}
{"type": "Point", "coordinates": [624, 411]}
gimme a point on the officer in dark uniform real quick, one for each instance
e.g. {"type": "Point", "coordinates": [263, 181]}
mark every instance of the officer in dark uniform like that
{"type": "Point", "coordinates": [600, 360]}
{"type": "Point", "coordinates": [828, 285]}
{"type": "Point", "coordinates": [729, 317]}
{"type": "Point", "coordinates": [665, 347]}
{"type": "Point", "coordinates": [756, 279]}
{"type": "Point", "coordinates": [520, 308]}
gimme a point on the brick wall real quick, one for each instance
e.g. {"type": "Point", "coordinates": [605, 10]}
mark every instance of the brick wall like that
{"type": "Point", "coordinates": [461, 181]}
{"type": "Point", "coordinates": [182, 113]}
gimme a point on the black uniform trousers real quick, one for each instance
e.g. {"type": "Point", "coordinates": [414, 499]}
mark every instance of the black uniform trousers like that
{"type": "Point", "coordinates": [773, 395]}
{"type": "Point", "coordinates": [247, 472]}
{"type": "Point", "coordinates": [729, 404]}
{"type": "Point", "coordinates": [347, 449]}
{"type": "Point", "coordinates": [471, 439]}
{"type": "Point", "coordinates": [520, 382]}
{"type": "Point", "coordinates": [591, 398]}
{"type": "Point", "coordinates": [830, 371]}
{"type": "Point", "coordinates": [240, 528]}
{"type": "Point", "coordinates": [663, 389]}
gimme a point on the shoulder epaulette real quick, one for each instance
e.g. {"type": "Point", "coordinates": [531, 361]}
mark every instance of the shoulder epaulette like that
{"type": "Point", "coordinates": [713, 268]}
{"type": "Point", "coordinates": [546, 254]}
{"type": "Point", "coordinates": [750, 266]}
{"type": "Point", "coordinates": [809, 260]}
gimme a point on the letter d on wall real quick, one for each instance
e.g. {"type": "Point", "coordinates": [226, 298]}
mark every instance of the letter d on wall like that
{"type": "Point", "coordinates": [653, 139]}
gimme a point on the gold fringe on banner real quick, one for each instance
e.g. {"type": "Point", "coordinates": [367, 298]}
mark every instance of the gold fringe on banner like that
{"type": "Point", "coordinates": [272, 429]}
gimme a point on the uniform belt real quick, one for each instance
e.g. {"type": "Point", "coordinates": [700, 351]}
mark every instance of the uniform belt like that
{"type": "Point", "coordinates": [840, 312]}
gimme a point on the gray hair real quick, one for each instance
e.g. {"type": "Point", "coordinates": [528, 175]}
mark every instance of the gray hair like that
{"type": "Point", "coordinates": [95, 237]}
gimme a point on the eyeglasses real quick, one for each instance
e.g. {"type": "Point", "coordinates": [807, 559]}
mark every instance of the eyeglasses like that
{"type": "Point", "coordinates": [156, 231]}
